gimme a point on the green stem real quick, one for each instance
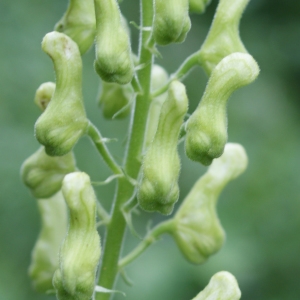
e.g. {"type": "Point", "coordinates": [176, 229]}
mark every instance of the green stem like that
{"type": "Point", "coordinates": [185, 67]}
{"type": "Point", "coordinates": [136, 85]}
{"type": "Point", "coordinates": [114, 240]}
{"type": "Point", "coordinates": [136, 139]}
{"type": "Point", "coordinates": [130, 205]}
{"type": "Point", "coordinates": [117, 225]}
{"type": "Point", "coordinates": [96, 137]}
{"type": "Point", "coordinates": [127, 213]}
{"type": "Point", "coordinates": [151, 237]}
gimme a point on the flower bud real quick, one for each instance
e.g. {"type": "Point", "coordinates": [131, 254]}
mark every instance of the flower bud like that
{"type": "Point", "coordinates": [44, 256]}
{"type": "Point", "coordinates": [43, 174]}
{"type": "Point", "coordinates": [113, 53]}
{"type": "Point", "coordinates": [80, 251]}
{"type": "Point", "coordinates": [171, 21]}
{"type": "Point", "coordinates": [44, 94]}
{"type": "Point", "coordinates": [206, 129]}
{"type": "Point", "coordinates": [159, 78]}
{"type": "Point", "coordinates": [197, 229]}
{"type": "Point", "coordinates": [64, 121]}
{"type": "Point", "coordinates": [222, 286]}
{"type": "Point", "coordinates": [158, 189]}
{"type": "Point", "coordinates": [198, 6]}
{"type": "Point", "coordinates": [79, 23]}
{"type": "Point", "coordinates": [223, 37]}
{"type": "Point", "coordinates": [114, 98]}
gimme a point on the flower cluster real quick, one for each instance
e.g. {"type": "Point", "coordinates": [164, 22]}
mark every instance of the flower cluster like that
{"type": "Point", "coordinates": [66, 256]}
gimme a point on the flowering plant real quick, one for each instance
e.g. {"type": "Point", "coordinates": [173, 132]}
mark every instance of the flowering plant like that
{"type": "Point", "coordinates": [68, 258]}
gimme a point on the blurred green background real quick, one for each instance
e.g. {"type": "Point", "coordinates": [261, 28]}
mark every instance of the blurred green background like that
{"type": "Point", "coordinates": [259, 211]}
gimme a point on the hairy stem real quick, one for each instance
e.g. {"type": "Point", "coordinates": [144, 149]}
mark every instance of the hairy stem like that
{"type": "Point", "coordinates": [183, 70]}
{"type": "Point", "coordinates": [132, 163]}
{"type": "Point", "coordinates": [151, 237]}
{"type": "Point", "coordinates": [97, 139]}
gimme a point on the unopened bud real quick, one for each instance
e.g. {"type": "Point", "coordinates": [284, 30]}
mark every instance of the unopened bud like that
{"type": "Point", "coordinates": [80, 251]}
{"type": "Point", "coordinates": [43, 174]}
{"type": "Point", "coordinates": [171, 21]}
{"type": "Point", "coordinates": [222, 286]}
{"type": "Point", "coordinates": [44, 256]}
{"type": "Point", "coordinates": [113, 53]}
{"type": "Point", "coordinates": [64, 121]}
{"type": "Point", "coordinates": [44, 94]}
{"type": "Point", "coordinates": [79, 23]}
{"type": "Point", "coordinates": [197, 229]}
{"type": "Point", "coordinates": [223, 37]}
{"type": "Point", "coordinates": [206, 129]}
{"type": "Point", "coordinates": [115, 100]}
{"type": "Point", "coordinates": [158, 189]}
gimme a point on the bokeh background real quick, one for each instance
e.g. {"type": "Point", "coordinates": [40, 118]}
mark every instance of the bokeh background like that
{"type": "Point", "coordinates": [260, 211]}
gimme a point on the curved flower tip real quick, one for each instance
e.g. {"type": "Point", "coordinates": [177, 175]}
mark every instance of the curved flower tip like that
{"type": "Point", "coordinates": [222, 286]}
{"type": "Point", "coordinates": [231, 164]}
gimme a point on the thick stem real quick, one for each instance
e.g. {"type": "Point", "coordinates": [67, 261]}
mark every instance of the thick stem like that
{"type": "Point", "coordinates": [117, 225]}
{"type": "Point", "coordinates": [138, 128]}
{"type": "Point", "coordinates": [114, 240]}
